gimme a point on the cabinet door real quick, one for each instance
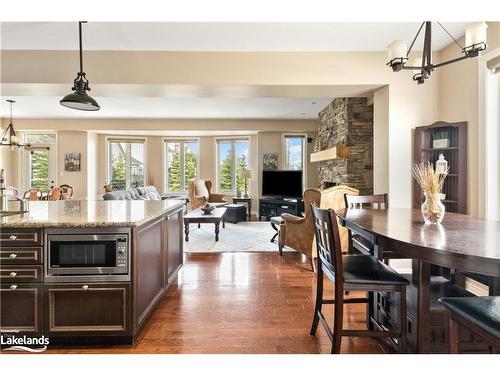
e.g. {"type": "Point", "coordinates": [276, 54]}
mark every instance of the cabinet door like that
{"type": "Point", "coordinates": [21, 308]}
{"type": "Point", "coordinates": [88, 309]}
{"type": "Point", "coordinates": [175, 253]}
{"type": "Point", "coordinates": [148, 268]}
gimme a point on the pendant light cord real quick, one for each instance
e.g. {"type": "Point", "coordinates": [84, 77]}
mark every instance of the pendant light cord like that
{"type": "Point", "coordinates": [81, 48]}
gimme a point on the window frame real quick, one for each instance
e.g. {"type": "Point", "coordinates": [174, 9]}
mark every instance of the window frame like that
{"type": "Point", "coordinates": [126, 139]}
{"type": "Point", "coordinates": [232, 140]}
{"type": "Point", "coordinates": [23, 179]}
{"type": "Point", "coordinates": [284, 153]}
{"type": "Point", "coordinates": [181, 140]}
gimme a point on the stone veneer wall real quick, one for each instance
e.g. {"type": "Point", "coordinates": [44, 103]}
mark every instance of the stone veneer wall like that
{"type": "Point", "coordinates": [348, 121]}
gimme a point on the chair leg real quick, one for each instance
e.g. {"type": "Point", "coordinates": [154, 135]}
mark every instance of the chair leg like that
{"type": "Point", "coordinates": [453, 336]}
{"type": "Point", "coordinates": [319, 301]}
{"type": "Point", "coordinates": [338, 321]}
{"type": "Point", "coordinates": [280, 247]}
{"type": "Point", "coordinates": [199, 225]}
{"type": "Point", "coordinates": [403, 323]}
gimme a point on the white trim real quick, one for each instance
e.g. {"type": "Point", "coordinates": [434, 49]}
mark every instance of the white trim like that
{"type": "Point", "coordinates": [304, 154]}
{"type": "Point", "coordinates": [483, 132]}
{"type": "Point", "coordinates": [145, 151]}
{"type": "Point", "coordinates": [164, 141]}
{"type": "Point", "coordinates": [216, 166]}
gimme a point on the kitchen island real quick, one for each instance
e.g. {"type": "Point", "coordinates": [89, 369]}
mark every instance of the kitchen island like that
{"type": "Point", "coordinates": [87, 272]}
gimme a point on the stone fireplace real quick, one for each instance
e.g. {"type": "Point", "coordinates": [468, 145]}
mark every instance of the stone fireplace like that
{"type": "Point", "coordinates": [349, 122]}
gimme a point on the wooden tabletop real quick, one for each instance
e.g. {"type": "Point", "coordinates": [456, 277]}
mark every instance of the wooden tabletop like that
{"type": "Point", "coordinates": [460, 241]}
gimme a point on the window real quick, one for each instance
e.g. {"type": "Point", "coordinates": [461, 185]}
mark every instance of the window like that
{"type": "Point", "coordinates": [293, 146]}
{"type": "Point", "coordinates": [40, 161]}
{"type": "Point", "coordinates": [232, 157]}
{"type": "Point", "coordinates": [125, 163]}
{"type": "Point", "coordinates": [181, 158]}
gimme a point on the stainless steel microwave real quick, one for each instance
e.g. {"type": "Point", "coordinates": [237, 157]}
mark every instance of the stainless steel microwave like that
{"type": "Point", "coordinates": [87, 256]}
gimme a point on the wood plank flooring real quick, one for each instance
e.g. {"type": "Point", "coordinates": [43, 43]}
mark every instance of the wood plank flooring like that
{"type": "Point", "coordinates": [255, 303]}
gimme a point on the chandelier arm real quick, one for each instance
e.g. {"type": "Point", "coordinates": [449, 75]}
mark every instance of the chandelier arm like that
{"type": "Point", "coordinates": [2, 137]}
{"type": "Point", "coordinates": [451, 61]}
{"type": "Point", "coordinates": [415, 38]}
{"type": "Point", "coordinates": [446, 31]}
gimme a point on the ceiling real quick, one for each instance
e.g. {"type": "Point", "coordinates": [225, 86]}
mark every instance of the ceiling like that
{"type": "Point", "coordinates": [220, 36]}
{"type": "Point", "coordinates": [172, 108]}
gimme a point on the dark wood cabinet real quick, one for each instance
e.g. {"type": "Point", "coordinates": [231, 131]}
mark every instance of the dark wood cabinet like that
{"type": "Point", "coordinates": [21, 308]}
{"type": "Point", "coordinates": [20, 237]}
{"type": "Point", "coordinates": [88, 309]}
{"type": "Point", "coordinates": [174, 243]}
{"type": "Point", "coordinates": [148, 268]}
{"type": "Point", "coordinates": [270, 207]}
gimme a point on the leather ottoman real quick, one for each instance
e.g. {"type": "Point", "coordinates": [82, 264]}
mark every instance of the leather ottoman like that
{"type": "Point", "coordinates": [235, 213]}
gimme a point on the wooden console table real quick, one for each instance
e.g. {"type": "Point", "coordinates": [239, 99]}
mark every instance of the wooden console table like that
{"type": "Point", "coordinates": [461, 242]}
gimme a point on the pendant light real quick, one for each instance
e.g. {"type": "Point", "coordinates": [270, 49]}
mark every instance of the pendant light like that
{"type": "Point", "coordinates": [9, 136]}
{"type": "Point", "coordinates": [79, 99]}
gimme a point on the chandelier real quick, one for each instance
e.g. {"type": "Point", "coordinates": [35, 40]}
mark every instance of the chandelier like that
{"type": "Point", "coordinates": [475, 42]}
{"type": "Point", "coordinates": [9, 136]}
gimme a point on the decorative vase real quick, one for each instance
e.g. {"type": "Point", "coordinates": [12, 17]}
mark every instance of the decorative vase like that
{"type": "Point", "coordinates": [433, 209]}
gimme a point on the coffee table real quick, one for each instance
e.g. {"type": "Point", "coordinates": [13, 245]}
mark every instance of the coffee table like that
{"type": "Point", "coordinates": [198, 216]}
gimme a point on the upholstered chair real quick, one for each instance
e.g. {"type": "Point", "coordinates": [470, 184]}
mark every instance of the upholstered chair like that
{"type": "Point", "coordinates": [55, 193]}
{"type": "Point", "coordinates": [33, 195]}
{"type": "Point", "coordinates": [200, 194]}
{"type": "Point", "coordinates": [298, 232]}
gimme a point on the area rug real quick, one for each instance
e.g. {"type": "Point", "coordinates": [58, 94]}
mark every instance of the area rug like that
{"type": "Point", "coordinates": [244, 236]}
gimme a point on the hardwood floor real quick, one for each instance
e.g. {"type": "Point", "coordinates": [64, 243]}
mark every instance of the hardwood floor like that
{"type": "Point", "coordinates": [241, 303]}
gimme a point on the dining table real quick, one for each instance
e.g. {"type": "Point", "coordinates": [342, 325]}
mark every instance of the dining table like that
{"type": "Point", "coordinates": [460, 243]}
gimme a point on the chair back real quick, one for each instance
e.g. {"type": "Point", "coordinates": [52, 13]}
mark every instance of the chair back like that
{"type": "Point", "coordinates": [379, 201]}
{"type": "Point", "coordinates": [55, 193]}
{"type": "Point", "coordinates": [32, 195]}
{"type": "Point", "coordinates": [328, 241]}
{"type": "Point", "coordinates": [311, 196]}
{"type": "Point", "coordinates": [67, 191]}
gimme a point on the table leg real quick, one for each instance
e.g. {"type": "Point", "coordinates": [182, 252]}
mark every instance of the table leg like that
{"type": "Point", "coordinates": [249, 210]}
{"type": "Point", "coordinates": [421, 279]}
{"type": "Point", "coordinates": [216, 231]}
{"type": "Point", "coordinates": [186, 230]}
{"type": "Point", "coordinates": [223, 223]}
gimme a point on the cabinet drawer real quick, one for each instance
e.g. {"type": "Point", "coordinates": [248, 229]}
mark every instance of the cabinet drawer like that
{"type": "Point", "coordinates": [21, 308]}
{"type": "Point", "coordinates": [20, 274]}
{"type": "Point", "coordinates": [20, 237]}
{"type": "Point", "coordinates": [20, 255]}
{"type": "Point", "coordinates": [88, 309]}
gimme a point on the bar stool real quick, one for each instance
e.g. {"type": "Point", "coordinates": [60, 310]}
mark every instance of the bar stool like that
{"type": "Point", "coordinates": [349, 273]}
{"type": "Point", "coordinates": [481, 315]}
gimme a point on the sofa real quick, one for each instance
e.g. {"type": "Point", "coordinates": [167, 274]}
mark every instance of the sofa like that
{"type": "Point", "coordinates": [138, 193]}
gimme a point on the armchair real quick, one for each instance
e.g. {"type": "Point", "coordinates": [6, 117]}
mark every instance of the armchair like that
{"type": "Point", "coordinates": [298, 232]}
{"type": "Point", "coordinates": [200, 194]}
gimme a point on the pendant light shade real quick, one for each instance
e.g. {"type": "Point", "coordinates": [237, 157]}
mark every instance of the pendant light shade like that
{"type": "Point", "coordinates": [79, 99]}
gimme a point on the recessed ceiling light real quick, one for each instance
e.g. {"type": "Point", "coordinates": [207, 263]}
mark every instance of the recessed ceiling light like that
{"type": "Point", "coordinates": [313, 103]}
{"type": "Point", "coordinates": [303, 113]}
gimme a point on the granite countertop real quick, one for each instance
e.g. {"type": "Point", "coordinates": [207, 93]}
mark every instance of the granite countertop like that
{"type": "Point", "coordinates": [85, 213]}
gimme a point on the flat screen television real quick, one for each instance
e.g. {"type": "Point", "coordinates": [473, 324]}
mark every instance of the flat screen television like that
{"type": "Point", "coordinates": [287, 184]}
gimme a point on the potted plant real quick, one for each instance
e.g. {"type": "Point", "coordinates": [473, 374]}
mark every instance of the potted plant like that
{"type": "Point", "coordinates": [440, 139]}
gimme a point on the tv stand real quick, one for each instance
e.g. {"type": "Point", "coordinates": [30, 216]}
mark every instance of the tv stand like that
{"type": "Point", "coordinates": [275, 206]}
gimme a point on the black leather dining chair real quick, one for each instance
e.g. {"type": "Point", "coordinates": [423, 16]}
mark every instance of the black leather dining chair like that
{"type": "Point", "coordinates": [481, 315]}
{"type": "Point", "coordinates": [349, 273]}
